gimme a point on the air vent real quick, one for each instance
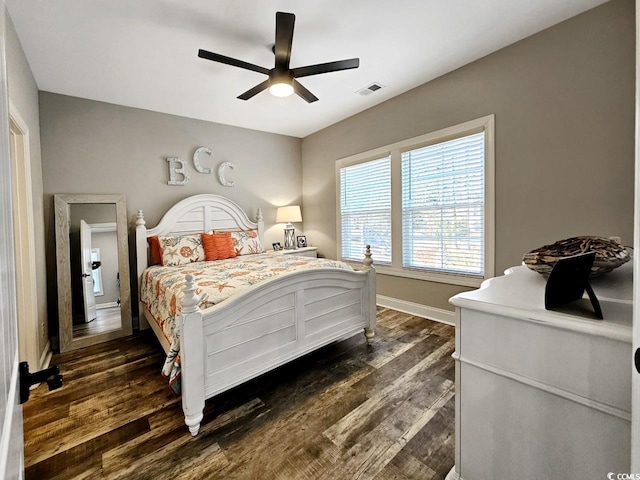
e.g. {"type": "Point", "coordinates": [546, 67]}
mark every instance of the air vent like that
{"type": "Point", "coordinates": [370, 89]}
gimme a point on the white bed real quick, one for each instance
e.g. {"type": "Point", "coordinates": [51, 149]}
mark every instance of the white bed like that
{"type": "Point", "coordinates": [316, 307]}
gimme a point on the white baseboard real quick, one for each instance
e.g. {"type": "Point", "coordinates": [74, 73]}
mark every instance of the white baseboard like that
{"type": "Point", "coordinates": [453, 475]}
{"type": "Point", "coordinates": [45, 362]}
{"type": "Point", "coordinates": [417, 309]}
{"type": "Point", "coordinates": [45, 358]}
{"type": "Point", "coordinates": [100, 306]}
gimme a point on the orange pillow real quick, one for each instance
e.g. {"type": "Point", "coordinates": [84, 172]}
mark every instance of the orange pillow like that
{"type": "Point", "coordinates": [209, 244]}
{"type": "Point", "coordinates": [218, 246]}
{"type": "Point", "coordinates": [156, 251]}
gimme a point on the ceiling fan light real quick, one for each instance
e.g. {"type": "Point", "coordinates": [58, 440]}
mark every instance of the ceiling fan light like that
{"type": "Point", "coordinates": [281, 89]}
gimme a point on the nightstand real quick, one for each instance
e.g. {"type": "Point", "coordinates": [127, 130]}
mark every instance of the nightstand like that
{"type": "Point", "coordinates": [301, 252]}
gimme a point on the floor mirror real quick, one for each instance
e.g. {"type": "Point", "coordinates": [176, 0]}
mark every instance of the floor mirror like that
{"type": "Point", "coordinates": [92, 257]}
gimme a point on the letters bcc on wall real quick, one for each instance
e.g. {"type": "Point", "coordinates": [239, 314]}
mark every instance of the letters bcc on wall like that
{"type": "Point", "coordinates": [176, 166]}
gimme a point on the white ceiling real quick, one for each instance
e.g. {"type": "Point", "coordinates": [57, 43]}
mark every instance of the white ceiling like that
{"type": "Point", "coordinates": [143, 53]}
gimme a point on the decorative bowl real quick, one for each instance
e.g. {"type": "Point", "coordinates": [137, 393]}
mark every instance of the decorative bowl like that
{"type": "Point", "coordinates": [610, 254]}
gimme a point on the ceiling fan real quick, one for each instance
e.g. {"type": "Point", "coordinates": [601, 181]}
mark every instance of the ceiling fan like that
{"type": "Point", "coordinates": [282, 79]}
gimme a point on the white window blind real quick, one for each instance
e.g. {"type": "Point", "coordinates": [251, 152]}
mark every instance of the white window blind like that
{"type": "Point", "coordinates": [365, 210]}
{"type": "Point", "coordinates": [443, 189]}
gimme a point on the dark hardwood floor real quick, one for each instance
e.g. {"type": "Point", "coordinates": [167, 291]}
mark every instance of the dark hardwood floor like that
{"type": "Point", "coordinates": [107, 319]}
{"type": "Point", "coordinates": [347, 411]}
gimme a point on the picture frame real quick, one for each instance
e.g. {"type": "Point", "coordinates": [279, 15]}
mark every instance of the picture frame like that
{"type": "Point", "coordinates": [276, 246]}
{"type": "Point", "coordinates": [301, 241]}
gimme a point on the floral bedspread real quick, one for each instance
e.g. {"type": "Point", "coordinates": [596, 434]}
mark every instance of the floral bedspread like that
{"type": "Point", "coordinates": [162, 287]}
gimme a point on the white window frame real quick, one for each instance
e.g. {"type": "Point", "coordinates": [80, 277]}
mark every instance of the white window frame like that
{"type": "Point", "coordinates": [486, 124]}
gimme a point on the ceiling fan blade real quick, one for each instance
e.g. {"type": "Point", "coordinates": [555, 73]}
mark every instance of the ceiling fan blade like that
{"type": "Point", "coordinates": [303, 92]}
{"type": "Point", "coordinates": [232, 61]}
{"type": "Point", "coordinates": [284, 39]}
{"type": "Point", "coordinates": [326, 67]}
{"type": "Point", "coordinates": [254, 91]}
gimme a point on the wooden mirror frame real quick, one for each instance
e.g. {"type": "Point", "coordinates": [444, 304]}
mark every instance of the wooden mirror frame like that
{"type": "Point", "coordinates": [62, 203]}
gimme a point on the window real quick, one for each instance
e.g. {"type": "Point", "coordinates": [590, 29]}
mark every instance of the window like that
{"type": "Point", "coordinates": [96, 273]}
{"type": "Point", "coordinates": [425, 205]}
{"type": "Point", "coordinates": [443, 206]}
{"type": "Point", "coordinates": [365, 206]}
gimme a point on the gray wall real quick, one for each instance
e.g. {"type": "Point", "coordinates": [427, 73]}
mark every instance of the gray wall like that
{"type": "Point", "coordinates": [95, 147]}
{"type": "Point", "coordinates": [23, 93]}
{"type": "Point", "coordinates": [563, 101]}
{"type": "Point", "coordinates": [90, 213]}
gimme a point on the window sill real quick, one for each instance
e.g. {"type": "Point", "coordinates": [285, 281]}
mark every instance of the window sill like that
{"type": "Point", "coordinates": [447, 278]}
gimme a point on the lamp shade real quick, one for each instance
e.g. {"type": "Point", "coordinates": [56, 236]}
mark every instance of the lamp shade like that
{"type": "Point", "coordinates": [289, 214]}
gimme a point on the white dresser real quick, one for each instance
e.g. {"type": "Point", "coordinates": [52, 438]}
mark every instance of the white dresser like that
{"type": "Point", "coordinates": [542, 394]}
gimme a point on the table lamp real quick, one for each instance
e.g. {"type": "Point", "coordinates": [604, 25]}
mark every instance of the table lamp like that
{"type": "Point", "coordinates": [289, 214]}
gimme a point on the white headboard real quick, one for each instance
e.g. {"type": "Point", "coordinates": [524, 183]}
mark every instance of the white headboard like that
{"type": "Point", "coordinates": [196, 214]}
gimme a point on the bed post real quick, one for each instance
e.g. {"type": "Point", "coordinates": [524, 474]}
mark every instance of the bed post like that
{"type": "Point", "coordinates": [192, 358]}
{"type": "Point", "coordinates": [141, 263]}
{"type": "Point", "coordinates": [260, 222]}
{"type": "Point", "coordinates": [370, 331]}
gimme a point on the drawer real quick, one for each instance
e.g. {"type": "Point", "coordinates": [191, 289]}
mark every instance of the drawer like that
{"type": "Point", "coordinates": [594, 367]}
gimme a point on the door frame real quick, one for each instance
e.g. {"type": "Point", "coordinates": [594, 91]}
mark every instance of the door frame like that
{"type": "Point", "coordinates": [24, 235]}
{"type": "Point", "coordinates": [11, 438]}
{"type": "Point", "coordinates": [635, 377]}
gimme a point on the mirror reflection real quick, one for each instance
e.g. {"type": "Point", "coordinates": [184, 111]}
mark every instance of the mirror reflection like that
{"type": "Point", "coordinates": [95, 280]}
{"type": "Point", "coordinates": [92, 257]}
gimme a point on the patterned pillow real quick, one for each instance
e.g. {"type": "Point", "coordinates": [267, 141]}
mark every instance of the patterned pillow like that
{"type": "Point", "coordinates": [218, 246]}
{"type": "Point", "coordinates": [246, 242]}
{"type": "Point", "coordinates": [181, 249]}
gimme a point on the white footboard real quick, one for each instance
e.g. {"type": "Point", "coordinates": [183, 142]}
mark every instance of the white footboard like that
{"type": "Point", "coordinates": [267, 326]}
